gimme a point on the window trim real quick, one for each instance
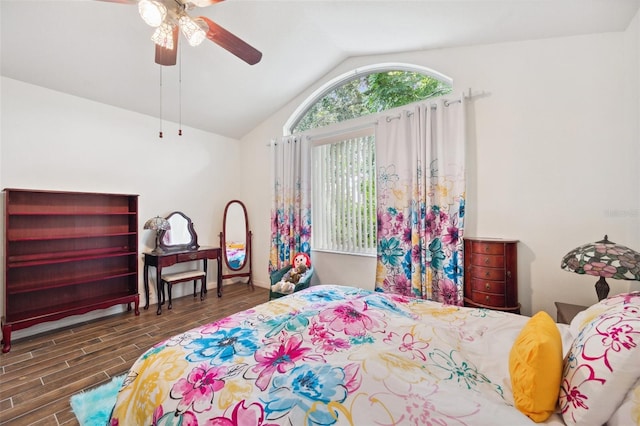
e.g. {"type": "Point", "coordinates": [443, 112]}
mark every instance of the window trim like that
{"type": "Point", "coordinates": [342, 79]}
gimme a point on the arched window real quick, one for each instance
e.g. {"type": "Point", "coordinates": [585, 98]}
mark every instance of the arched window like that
{"type": "Point", "coordinates": [339, 120]}
{"type": "Point", "coordinates": [366, 91]}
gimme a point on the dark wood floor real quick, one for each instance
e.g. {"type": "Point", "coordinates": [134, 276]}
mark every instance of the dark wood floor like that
{"type": "Point", "coordinates": [40, 373]}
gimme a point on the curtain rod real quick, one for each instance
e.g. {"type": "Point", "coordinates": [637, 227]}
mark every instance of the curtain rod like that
{"type": "Point", "coordinates": [446, 103]}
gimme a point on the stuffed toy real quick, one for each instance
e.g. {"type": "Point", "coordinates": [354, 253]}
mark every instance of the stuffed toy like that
{"type": "Point", "coordinates": [302, 258]}
{"type": "Point", "coordinates": [296, 273]}
{"type": "Point", "coordinates": [301, 264]}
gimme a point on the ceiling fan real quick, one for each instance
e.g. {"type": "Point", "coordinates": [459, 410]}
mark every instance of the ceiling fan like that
{"type": "Point", "coordinates": [170, 16]}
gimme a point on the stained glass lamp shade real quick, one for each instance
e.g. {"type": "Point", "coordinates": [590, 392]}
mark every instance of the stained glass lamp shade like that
{"type": "Point", "coordinates": [604, 259]}
{"type": "Point", "coordinates": [157, 224]}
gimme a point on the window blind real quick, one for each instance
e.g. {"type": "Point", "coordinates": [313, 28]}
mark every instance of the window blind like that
{"type": "Point", "coordinates": [344, 203]}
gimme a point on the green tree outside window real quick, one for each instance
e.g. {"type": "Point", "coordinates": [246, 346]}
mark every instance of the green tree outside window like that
{"type": "Point", "coordinates": [369, 94]}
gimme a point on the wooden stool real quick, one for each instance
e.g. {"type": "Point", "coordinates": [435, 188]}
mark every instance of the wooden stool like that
{"type": "Point", "coordinates": [180, 277]}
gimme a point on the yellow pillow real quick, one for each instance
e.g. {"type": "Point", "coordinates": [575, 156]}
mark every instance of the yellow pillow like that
{"type": "Point", "coordinates": [535, 367]}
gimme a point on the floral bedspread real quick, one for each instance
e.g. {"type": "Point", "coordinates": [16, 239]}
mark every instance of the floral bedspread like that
{"type": "Point", "coordinates": [330, 355]}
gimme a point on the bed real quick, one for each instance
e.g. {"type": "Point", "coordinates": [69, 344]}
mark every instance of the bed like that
{"type": "Point", "coordinates": [346, 356]}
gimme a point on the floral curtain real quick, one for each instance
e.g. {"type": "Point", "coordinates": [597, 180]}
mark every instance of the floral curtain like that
{"type": "Point", "coordinates": [420, 156]}
{"type": "Point", "coordinates": [291, 200]}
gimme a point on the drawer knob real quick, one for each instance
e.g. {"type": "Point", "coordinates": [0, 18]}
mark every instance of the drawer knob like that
{"type": "Point", "coordinates": [486, 298]}
{"type": "Point", "coordinates": [486, 260]}
{"type": "Point", "coordinates": [486, 274]}
{"type": "Point", "coordinates": [487, 286]}
{"type": "Point", "coordinates": [192, 256]}
{"type": "Point", "coordinates": [509, 274]}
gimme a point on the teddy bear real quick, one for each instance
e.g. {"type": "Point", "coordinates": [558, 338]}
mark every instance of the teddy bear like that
{"type": "Point", "coordinates": [296, 273]}
{"type": "Point", "coordinates": [301, 264]}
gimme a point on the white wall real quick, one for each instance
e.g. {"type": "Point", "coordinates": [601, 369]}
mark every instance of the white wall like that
{"type": "Point", "coordinates": [51, 140]}
{"type": "Point", "coordinates": [552, 156]}
{"type": "Point", "coordinates": [633, 40]}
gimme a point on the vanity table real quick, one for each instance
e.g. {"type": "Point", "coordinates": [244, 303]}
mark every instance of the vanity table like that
{"type": "Point", "coordinates": [179, 244]}
{"type": "Point", "coordinates": [170, 258]}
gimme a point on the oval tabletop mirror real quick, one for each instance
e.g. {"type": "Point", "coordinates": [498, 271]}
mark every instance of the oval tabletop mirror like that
{"type": "Point", "coordinates": [235, 240]}
{"type": "Point", "coordinates": [181, 235]}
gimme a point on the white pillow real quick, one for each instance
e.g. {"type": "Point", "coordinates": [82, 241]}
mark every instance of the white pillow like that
{"type": "Point", "coordinates": [603, 361]}
{"type": "Point", "coordinates": [628, 413]}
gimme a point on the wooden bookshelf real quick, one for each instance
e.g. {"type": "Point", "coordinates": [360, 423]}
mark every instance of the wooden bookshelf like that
{"type": "Point", "coordinates": [67, 253]}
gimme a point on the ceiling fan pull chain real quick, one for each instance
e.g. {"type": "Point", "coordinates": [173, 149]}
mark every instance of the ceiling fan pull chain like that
{"type": "Point", "coordinates": [160, 134]}
{"type": "Point", "coordinates": [180, 92]}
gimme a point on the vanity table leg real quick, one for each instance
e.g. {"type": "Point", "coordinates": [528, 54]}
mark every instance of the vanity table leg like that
{"type": "Point", "coordinates": [159, 289]}
{"type": "Point", "coordinates": [204, 268]}
{"type": "Point", "coordinates": [146, 285]}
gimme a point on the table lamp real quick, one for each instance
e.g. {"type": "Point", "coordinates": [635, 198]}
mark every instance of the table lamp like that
{"type": "Point", "coordinates": [604, 259]}
{"type": "Point", "coordinates": [157, 224]}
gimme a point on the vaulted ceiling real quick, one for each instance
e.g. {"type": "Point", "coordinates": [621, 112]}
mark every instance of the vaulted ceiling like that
{"type": "Point", "coordinates": [102, 51]}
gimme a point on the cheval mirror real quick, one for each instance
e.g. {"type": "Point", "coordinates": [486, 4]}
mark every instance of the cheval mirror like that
{"type": "Point", "coordinates": [181, 235]}
{"type": "Point", "coordinates": [235, 241]}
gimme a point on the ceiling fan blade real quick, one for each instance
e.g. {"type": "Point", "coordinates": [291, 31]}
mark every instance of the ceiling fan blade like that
{"type": "Point", "coordinates": [166, 56]}
{"type": "Point", "coordinates": [120, 1]}
{"type": "Point", "coordinates": [230, 42]}
{"type": "Point", "coordinates": [203, 3]}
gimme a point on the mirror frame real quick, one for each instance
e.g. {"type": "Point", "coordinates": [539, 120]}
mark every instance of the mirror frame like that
{"type": "Point", "coordinates": [191, 245]}
{"type": "Point", "coordinates": [247, 241]}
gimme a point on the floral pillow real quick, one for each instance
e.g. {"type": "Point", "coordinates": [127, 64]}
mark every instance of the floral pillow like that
{"type": "Point", "coordinates": [602, 363]}
{"type": "Point", "coordinates": [585, 317]}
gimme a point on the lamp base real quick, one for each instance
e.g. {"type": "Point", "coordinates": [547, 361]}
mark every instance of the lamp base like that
{"type": "Point", "coordinates": [158, 249]}
{"type": "Point", "coordinates": [602, 289]}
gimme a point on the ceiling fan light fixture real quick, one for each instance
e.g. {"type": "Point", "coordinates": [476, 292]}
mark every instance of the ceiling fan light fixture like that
{"type": "Point", "coordinates": [163, 36]}
{"type": "Point", "coordinates": [192, 30]}
{"type": "Point", "coordinates": [152, 12]}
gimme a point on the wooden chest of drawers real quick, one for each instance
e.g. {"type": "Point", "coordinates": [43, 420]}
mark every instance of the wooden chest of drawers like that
{"type": "Point", "coordinates": [491, 274]}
